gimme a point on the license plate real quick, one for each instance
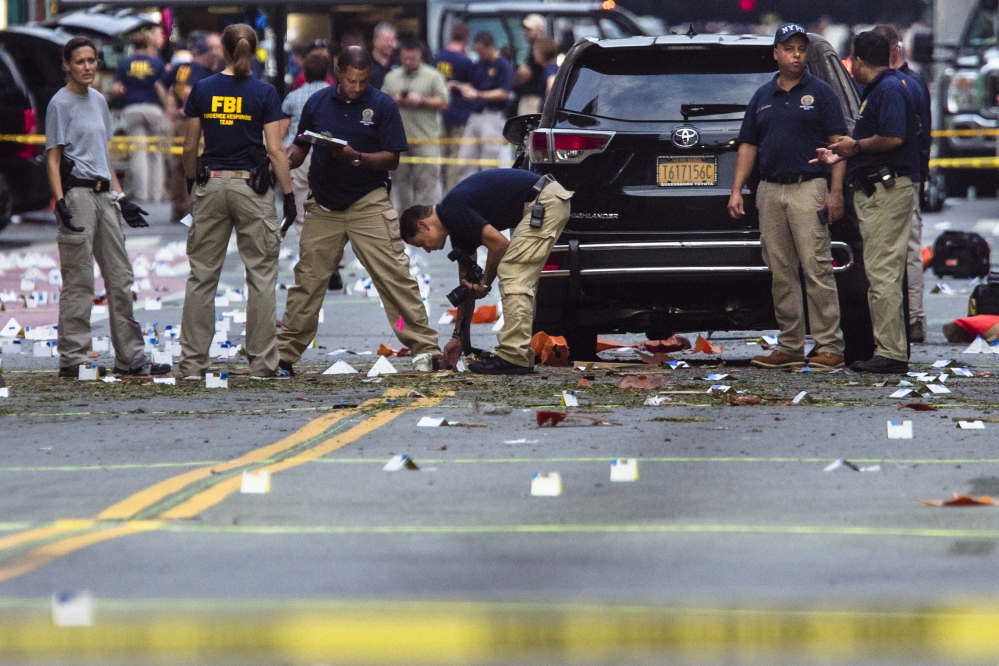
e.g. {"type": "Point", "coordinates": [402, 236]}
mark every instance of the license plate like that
{"type": "Point", "coordinates": [687, 170]}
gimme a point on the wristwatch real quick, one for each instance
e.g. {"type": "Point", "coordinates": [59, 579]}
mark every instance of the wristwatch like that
{"type": "Point", "coordinates": [357, 162]}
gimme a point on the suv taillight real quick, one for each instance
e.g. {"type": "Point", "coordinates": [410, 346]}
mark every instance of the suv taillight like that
{"type": "Point", "coordinates": [540, 154]}
{"type": "Point", "coordinates": [30, 125]}
{"type": "Point", "coordinates": [572, 147]}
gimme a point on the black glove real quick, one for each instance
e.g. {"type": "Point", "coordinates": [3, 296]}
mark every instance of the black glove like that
{"type": "Point", "coordinates": [62, 212]}
{"type": "Point", "coordinates": [132, 214]}
{"type": "Point", "coordinates": [290, 213]}
{"type": "Point", "coordinates": [190, 186]}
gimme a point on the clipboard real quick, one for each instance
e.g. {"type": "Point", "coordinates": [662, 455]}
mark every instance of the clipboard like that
{"type": "Point", "coordinates": [324, 140]}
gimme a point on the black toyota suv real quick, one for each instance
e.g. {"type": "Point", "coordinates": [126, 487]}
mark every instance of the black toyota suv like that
{"type": "Point", "coordinates": [643, 130]}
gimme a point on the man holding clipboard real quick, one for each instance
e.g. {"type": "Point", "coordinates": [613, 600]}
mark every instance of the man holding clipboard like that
{"type": "Point", "coordinates": [355, 134]}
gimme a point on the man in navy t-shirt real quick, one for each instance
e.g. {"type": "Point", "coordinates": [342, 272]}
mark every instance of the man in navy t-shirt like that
{"type": "Point", "coordinates": [456, 68]}
{"type": "Point", "coordinates": [137, 80]}
{"type": "Point", "coordinates": [785, 121]}
{"type": "Point", "coordinates": [487, 93]}
{"type": "Point", "coordinates": [474, 214]}
{"type": "Point", "coordinates": [350, 202]}
{"type": "Point", "coordinates": [882, 156]}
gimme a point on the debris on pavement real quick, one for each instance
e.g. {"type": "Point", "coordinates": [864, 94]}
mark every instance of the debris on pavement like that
{"type": "Point", "coordinates": [381, 367]}
{"type": "Point", "coordinates": [656, 400]}
{"type": "Point", "coordinates": [545, 415]}
{"type": "Point", "coordinates": [802, 399]}
{"type": "Point", "coordinates": [901, 430]}
{"type": "Point", "coordinates": [432, 422]}
{"type": "Point", "coordinates": [978, 346]}
{"type": "Point", "coordinates": [646, 382]}
{"type": "Point", "coordinates": [72, 609]}
{"type": "Point", "coordinates": [843, 463]}
{"type": "Point", "coordinates": [569, 399]}
{"type": "Point", "coordinates": [918, 406]}
{"type": "Point", "coordinates": [550, 350]}
{"type": "Point", "coordinates": [546, 485]}
{"type": "Point", "coordinates": [341, 367]}
{"type": "Point", "coordinates": [222, 381]}
{"type": "Point", "coordinates": [521, 441]}
{"type": "Point", "coordinates": [961, 500]}
{"type": "Point", "coordinates": [703, 346]}
{"type": "Point", "coordinates": [719, 388]}
{"type": "Point", "coordinates": [971, 425]}
{"type": "Point", "coordinates": [745, 401]}
{"type": "Point", "coordinates": [399, 463]}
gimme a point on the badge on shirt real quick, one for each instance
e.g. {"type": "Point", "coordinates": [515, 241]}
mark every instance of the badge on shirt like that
{"type": "Point", "coordinates": [807, 101]}
{"type": "Point", "coordinates": [492, 72]}
{"type": "Point", "coordinates": [367, 117]}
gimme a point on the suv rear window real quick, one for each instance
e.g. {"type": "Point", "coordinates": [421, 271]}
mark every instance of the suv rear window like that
{"type": "Point", "coordinates": [631, 85]}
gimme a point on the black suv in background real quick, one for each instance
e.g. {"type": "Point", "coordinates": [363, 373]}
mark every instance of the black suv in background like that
{"type": "Point", "coordinates": [643, 130]}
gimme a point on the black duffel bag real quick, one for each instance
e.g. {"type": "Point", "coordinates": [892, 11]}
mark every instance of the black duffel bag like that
{"type": "Point", "coordinates": [985, 297]}
{"type": "Point", "coordinates": [960, 254]}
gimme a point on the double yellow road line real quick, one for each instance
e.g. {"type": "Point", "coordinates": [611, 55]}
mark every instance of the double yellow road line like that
{"type": "Point", "coordinates": [186, 495]}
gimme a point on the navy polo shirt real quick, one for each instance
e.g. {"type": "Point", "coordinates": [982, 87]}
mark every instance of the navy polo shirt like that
{"type": "Point", "coordinates": [369, 124]}
{"type": "Point", "coordinates": [139, 74]}
{"type": "Point", "coordinates": [788, 125]}
{"type": "Point", "coordinates": [884, 112]}
{"type": "Point", "coordinates": [233, 113]}
{"type": "Point", "coordinates": [490, 76]}
{"type": "Point", "coordinates": [455, 67]}
{"type": "Point", "coordinates": [493, 197]}
{"type": "Point", "coordinates": [183, 75]}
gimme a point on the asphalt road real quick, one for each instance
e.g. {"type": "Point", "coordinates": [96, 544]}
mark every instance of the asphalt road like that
{"type": "Point", "coordinates": [733, 547]}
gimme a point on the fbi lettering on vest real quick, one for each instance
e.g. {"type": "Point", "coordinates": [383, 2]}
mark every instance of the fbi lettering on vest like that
{"type": "Point", "coordinates": [231, 109]}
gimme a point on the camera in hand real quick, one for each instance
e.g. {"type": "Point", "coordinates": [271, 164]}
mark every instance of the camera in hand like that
{"type": "Point", "coordinates": [473, 274]}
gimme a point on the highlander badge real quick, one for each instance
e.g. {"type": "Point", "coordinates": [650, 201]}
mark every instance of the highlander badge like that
{"type": "Point", "coordinates": [594, 216]}
{"type": "Point", "coordinates": [685, 137]}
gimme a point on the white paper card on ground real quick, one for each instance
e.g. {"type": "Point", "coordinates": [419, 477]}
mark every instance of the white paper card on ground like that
{"type": "Point", "coordinates": [432, 422]}
{"type": "Point", "coordinates": [624, 469]}
{"type": "Point", "coordinates": [423, 363]}
{"type": "Point", "coordinates": [716, 377]}
{"type": "Point", "coordinates": [446, 318]}
{"type": "Point", "coordinates": [87, 373]}
{"type": "Point", "coordinates": [979, 346]}
{"type": "Point", "coordinates": [222, 381]}
{"type": "Point", "coordinates": [239, 317]}
{"type": "Point", "coordinates": [222, 325]}
{"type": "Point", "coordinates": [221, 301]}
{"type": "Point", "coordinates": [109, 379]}
{"type": "Point", "coordinates": [173, 348]}
{"type": "Point", "coordinates": [569, 399]}
{"type": "Point", "coordinates": [100, 344]}
{"type": "Point", "coordinates": [937, 388]}
{"type": "Point", "coordinates": [163, 357]}
{"type": "Point", "coordinates": [340, 368]}
{"type": "Point", "coordinates": [4, 392]}
{"type": "Point", "coordinates": [11, 347]}
{"type": "Point", "coordinates": [901, 393]}
{"type": "Point", "coordinates": [187, 220]}
{"type": "Point", "coordinates": [942, 364]}
{"type": "Point", "coordinates": [399, 463]}
{"type": "Point", "coordinates": [719, 388]}
{"type": "Point", "coordinates": [381, 367]}
{"type": "Point", "coordinates": [901, 430]}
{"type": "Point", "coordinates": [460, 365]}
{"type": "Point", "coordinates": [10, 329]}
{"type": "Point", "coordinates": [98, 309]}
{"type": "Point", "coordinates": [154, 304]}
{"type": "Point", "coordinates": [72, 609]}
{"type": "Point", "coordinates": [798, 398]}
{"type": "Point", "coordinates": [41, 350]}
{"type": "Point", "coordinates": [770, 339]}
{"type": "Point", "coordinates": [962, 372]}
{"type": "Point", "coordinates": [172, 381]}
{"type": "Point", "coordinates": [255, 482]}
{"type": "Point", "coordinates": [656, 400]}
{"type": "Point", "coordinates": [971, 425]}
{"type": "Point", "coordinates": [546, 485]}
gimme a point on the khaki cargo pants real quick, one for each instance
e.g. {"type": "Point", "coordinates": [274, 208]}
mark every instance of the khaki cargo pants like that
{"type": "Point", "coordinates": [483, 138]}
{"type": "Point", "coordinates": [914, 262]}
{"type": "Point", "coordinates": [520, 270]}
{"type": "Point", "coordinates": [103, 240]}
{"type": "Point", "coordinates": [792, 235]}
{"type": "Point", "coordinates": [221, 205]}
{"type": "Point", "coordinates": [885, 220]}
{"type": "Point", "coordinates": [414, 184]}
{"type": "Point", "coordinates": [372, 227]}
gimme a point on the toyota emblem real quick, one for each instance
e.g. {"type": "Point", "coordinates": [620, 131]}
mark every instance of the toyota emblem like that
{"type": "Point", "coordinates": [685, 137]}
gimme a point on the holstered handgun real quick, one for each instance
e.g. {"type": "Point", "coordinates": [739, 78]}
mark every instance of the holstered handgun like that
{"type": "Point", "coordinates": [65, 170]}
{"type": "Point", "coordinates": [202, 174]}
{"type": "Point", "coordinates": [260, 175]}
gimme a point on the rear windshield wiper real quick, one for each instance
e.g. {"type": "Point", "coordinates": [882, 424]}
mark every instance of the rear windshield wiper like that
{"type": "Point", "coordinates": [691, 110]}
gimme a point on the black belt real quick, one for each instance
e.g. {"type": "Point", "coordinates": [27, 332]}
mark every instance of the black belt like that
{"type": "Point", "coordinates": [97, 184]}
{"type": "Point", "coordinates": [791, 180]}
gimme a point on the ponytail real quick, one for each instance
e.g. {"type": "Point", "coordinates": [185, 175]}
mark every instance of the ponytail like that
{"type": "Point", "coordinates": [239, 43]}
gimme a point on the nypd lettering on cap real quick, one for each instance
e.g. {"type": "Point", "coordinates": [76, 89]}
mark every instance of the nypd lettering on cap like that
{"type": "Point", "coordinates": [787, 31]}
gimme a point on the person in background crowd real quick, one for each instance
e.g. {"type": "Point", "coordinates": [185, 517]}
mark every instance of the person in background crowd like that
{"type": "Point", "coordinates": [350, 203]}
{"type": "Point", "coordinates": [314, 67]}
{"type": "Point", "coordinates": [488, 92]}
{"type": "Point", "coordinates": [298, 52]}
{"type": "Point", "coordinates": [157, 40]}
{"type": "Point", "coordinates": [786, 120]}
{"type": "Point", "coordinates": [383, 55]}
{"type": "Point", "coordinates": [454, 65]}
{"type": "Point", "coordinates": [137, 78]}
{"type": "Point", "coordinates": [321, 47]}
{"type": "Point", "coordinates": [214, 41]}
{"type": "Point", "coordinates": [90, 207]}
{"type": "Point", "coordinates": [920, 94]}
{"type": "Point", "coordinates": [881, 157]}
{"type": "Point", "coordinates": [240, 117]}
{"type": "Point", "coordinates": [421, 94]}
{"type": "Point", "coordinates": [529, 79]}
{"type": "Point", "coordinates": [178, 82]}
{"type": "Point", "coordinates": [546, 54]}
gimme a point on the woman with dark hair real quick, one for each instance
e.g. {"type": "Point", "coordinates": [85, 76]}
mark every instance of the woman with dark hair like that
{"type": "Point", "coordinates": [238, 115]}
{"type": "Point", "coordinates": [90, 206]}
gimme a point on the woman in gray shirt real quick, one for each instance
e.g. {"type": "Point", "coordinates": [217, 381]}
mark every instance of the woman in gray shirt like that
{"type": "Point", "coordinates": [90, 205]}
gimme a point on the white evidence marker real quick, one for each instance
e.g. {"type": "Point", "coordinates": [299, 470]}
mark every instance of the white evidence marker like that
{"type": "Point", "coordinates": [255, 483]}
{"type": "Point", "coordinates": [432, 422]}
{"type": "Point", "coordinates": [624, 469]}
{"type": "Point", "coordinates": [399, 463]}
{"type": "Point", "coordinates": [172, 381]}
{"type": "Point", "coordinates": [164, 357]}
{"type": "Point", "coordinates": [569, 399]}
{"type": "Point", "coordinates": [901, 430]}
{"type": "Point", "coordinates": [381, 367]}
{"type": "Point", "coordinates": [341, 367]}
{"type": "Point", "coordinates": [72, 609]}
{"type": "Point", "coordinates": [971, 425]}
{"type": "Point", "coordinates": [546, 485]}
{"type": "Point", "coordinates": [222, 381]}
{"type": "Point", "coordinates": [937, 388]}
{"type": "Point", "coordinates": [87, 373]}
